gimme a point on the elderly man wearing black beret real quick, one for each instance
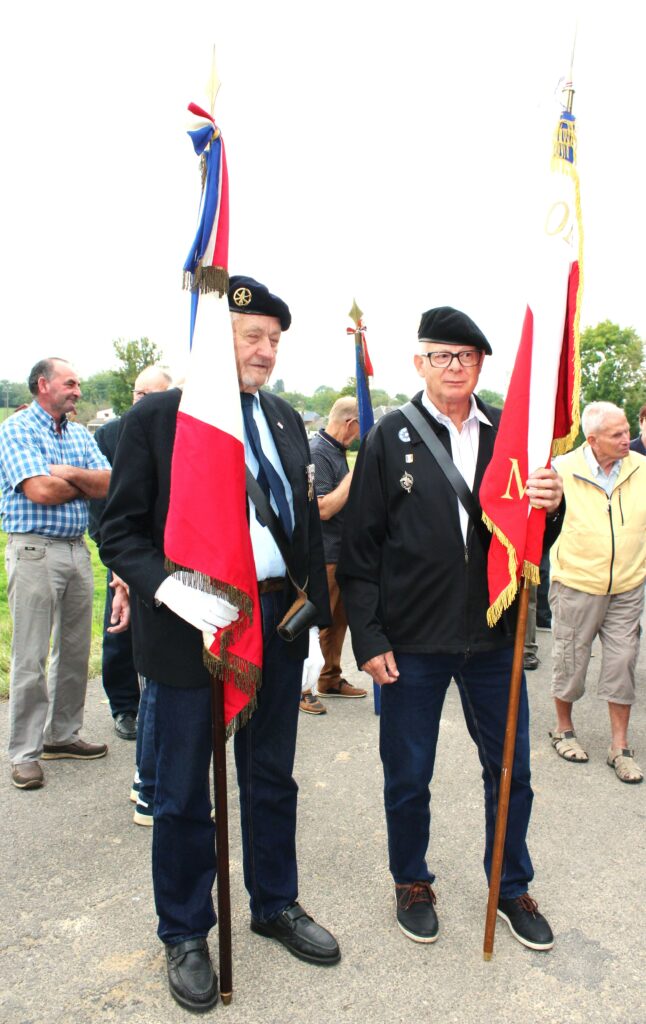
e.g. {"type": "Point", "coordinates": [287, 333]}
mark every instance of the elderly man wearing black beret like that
{"type": "Point", "coordinates": [413, 574]}
{"type": "Point", "coordinates": [167, 642]}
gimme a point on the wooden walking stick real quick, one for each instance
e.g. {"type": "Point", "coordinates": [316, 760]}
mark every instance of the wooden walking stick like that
{"type": "Point", "coordinates": [222, 839]}
{"type": "Point", "coordinates": [506, 771]}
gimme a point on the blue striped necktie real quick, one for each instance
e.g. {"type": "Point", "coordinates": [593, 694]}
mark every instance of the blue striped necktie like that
{"type": "Point", "coordinates": [268, 478]}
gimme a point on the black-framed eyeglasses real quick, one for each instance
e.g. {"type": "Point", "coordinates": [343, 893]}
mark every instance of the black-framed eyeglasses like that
{"type": "Point", "coordinates": [443, 359]}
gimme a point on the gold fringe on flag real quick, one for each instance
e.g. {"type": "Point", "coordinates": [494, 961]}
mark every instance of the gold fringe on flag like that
{"type": "Point", "coordinates": [241, 719]}
{"type": "Point", "coordinates": [245, 676]}
{"type": "Point", "coordinates": [506, 598]}
{"type": "Point", "coordinates": [529, 570]}
{"type": "Point", "coordinates": [564, 147]}
{"type": "Point", "coordinates": [206, 280]}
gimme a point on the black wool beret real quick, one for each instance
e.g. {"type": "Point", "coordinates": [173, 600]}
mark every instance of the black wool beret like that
{"type": "Point", "coordinates": [449, 326]}
{"type": "Point", "coordinates": [249, 296]}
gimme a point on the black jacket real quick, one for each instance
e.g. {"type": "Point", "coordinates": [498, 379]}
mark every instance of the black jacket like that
{"type": "Point", "coordinates": [166, 648]}
{"type": "Point", "coordinates": [106, 437]}
{"type": "Point", "coordinates": [408, 580]}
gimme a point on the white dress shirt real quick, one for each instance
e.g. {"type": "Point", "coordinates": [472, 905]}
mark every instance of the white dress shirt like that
{"type": "Point", "coordinates": [268, 559]}
{"type": "Point", "coordinates": [464, 447]}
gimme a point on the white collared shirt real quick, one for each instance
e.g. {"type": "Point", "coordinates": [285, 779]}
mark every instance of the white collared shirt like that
{"type": "Point", "coordinates": [268, 559]}
{"type": "Point", "coordinates": [605, 480]}
{"type": "Point", "coordinates": [464, 447]}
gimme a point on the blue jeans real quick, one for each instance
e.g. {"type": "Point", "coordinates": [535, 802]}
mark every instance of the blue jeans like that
{"type": "Point", "coordinates": [120, 680]}
{"type": "Point", "coordinates": [145, 746]}
{"type": "Point", "coordinates": [409, 726]}
{"type": "Point", "coordinates": [184, 862]}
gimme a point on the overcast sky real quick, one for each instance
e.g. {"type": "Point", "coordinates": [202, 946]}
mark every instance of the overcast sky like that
{"type": "Point", "coordinates": [387, 152]}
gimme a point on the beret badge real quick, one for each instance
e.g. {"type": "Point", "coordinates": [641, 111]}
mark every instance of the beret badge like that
{"type": "Point", "coordinates": [242, 296]}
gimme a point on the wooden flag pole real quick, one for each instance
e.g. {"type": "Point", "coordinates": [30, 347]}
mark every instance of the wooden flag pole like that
{"type": "Point", "coordinates": [222, 839]}
{"type": "Point", "coordinates": [506, 771]}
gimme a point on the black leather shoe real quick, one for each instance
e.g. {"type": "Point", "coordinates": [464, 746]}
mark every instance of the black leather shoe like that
{"type": "Point", "coordinates": [416, 915]}
{"type": "Point", "coordinates": [125, 725]}
{"type": "Point", "coordinates": [525, 922]}
{"type": "Point", "coordinates": [192, 981]}
{"type": "Point", "coordinates": [531, 661]}
{"type": "Point", "coordinates": [301, 935]}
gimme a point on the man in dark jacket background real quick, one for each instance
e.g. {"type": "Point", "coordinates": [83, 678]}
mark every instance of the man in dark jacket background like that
{"type": "Point", "coordinates": [413, 574]}
{"type": "Point", "coordinates": [118, 672]}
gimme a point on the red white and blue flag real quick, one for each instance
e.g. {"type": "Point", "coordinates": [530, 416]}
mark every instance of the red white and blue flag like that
{"type": "Point", "coordinates": [207, 535]}
{"type": "Point", "coordinates": [541, 412]}
{"type": "Point", "coordinates": [363, 370]}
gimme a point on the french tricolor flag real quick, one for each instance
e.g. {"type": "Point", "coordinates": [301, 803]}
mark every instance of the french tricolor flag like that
{"type": "Point", "coordinates": [541, 413]}
{"type": "Point", "coordinates": [207, 535]}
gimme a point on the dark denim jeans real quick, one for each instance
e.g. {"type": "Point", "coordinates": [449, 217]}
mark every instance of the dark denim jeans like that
{"type": "Point", "coordinates": [184, 862]}
{"type": "Point", "coordinates": [120, 680]}
{"type": "Point", "coordinates": [409, 726]}
{"type": "Point", "coordinates": [145, 747]}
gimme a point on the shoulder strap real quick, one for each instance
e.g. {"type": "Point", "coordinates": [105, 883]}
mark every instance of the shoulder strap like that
{"type": "Point", "coordinates": [271, 521]}
{"type": "Point", "coordinates": [443, 459]}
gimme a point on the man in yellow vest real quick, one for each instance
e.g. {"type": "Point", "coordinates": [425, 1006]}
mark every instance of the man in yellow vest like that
{"type": "Point", "coordinates": [598, 567]}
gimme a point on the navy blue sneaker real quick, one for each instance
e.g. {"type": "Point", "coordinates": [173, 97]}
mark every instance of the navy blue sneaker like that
{"type": "Point", "coordinates": [525, 922]}
{"type": "Point", "coordinates": [416, 915]}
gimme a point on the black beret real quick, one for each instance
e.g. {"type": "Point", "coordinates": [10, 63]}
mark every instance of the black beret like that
{"type": "Point", "coordinates": [249, 296]}
{"type": "Point", "coordinates": [449, 326]}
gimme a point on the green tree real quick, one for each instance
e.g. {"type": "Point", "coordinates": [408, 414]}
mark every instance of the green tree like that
{"type": "Point", "coordinates": [401, 398]}
{"type": "Point", "coordinates": [13, 393]}
{"type": "Point", "coordinates": [613, 368]}
{"type": "Point", "coordinates": [296, 400]}
{"type": "Point", "coordinates": [349, 389]}
{"type": "Point", "coordinates": [279, 387]}
{"type": "Point", "coordinates": [491, 397]}
{"type": "Point", "coordinates": [134, 357]}
{"type": "Point", "coordinates": [322, 400]}
{"type": "Point", "coordinates": [380, 397]}
{"type": "Point", "coordinates": [98, 388]}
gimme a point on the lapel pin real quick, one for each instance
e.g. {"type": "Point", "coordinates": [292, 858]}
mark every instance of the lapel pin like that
{"type": "Point", "coordinates": [407, 482]}
{"type": "Point", "coordinates": [279, 424]}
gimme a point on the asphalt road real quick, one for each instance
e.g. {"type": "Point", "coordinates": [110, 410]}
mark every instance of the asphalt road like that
{"type": "Point", "coordinates": [77, 930]}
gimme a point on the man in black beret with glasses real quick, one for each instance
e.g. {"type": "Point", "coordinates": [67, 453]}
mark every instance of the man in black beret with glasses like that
{"type": "Point", "coordinates": [413, 574]}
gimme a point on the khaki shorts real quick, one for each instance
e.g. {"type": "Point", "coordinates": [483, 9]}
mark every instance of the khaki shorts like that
{"type": "Point", "coordinates": [577, 619]}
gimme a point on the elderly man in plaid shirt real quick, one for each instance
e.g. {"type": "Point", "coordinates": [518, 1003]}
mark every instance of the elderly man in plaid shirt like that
{"type": "Point", "coordinates": [49, 468]}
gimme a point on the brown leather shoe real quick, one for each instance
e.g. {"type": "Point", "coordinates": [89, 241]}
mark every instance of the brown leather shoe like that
{"type": "Point", "coordinates": [27, 775]}
{"type": "Point", "coordinates": [343, 689]}
{"type": "Point", "coordinates": [79, 749]}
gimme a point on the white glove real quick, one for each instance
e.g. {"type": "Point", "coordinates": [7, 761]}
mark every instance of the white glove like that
{"type": "Point", "coordinates": [206, 612]}
{"type": "Point", "coordinates": [313, 663]}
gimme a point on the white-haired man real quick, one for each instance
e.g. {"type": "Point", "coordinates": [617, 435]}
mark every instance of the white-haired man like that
{"type": "Point", "coordinates": [598, 567]}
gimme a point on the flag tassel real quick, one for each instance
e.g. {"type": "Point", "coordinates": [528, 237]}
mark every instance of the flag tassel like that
{"type": "Point", "coordinates": [206, 280]}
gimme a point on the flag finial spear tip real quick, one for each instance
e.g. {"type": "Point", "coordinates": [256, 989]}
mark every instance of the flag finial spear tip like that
{"type": "Point", "coordinates": [355, 313]}
{"type": "Point", "coordinates": [213, 86]}
{"type": "Point", "coordinates": [568, 88]}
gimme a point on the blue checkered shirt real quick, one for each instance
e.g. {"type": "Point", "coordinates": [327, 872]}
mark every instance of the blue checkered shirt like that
{"type": "Point", "coordinates": [29, 444]}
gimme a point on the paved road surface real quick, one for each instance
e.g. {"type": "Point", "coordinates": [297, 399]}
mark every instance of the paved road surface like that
{"type": "Point", "coordinates": [77, 932]}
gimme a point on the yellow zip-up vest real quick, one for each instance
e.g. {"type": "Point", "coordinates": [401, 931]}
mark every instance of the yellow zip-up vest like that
{"type": "Point", "coordinates": [602, 546]}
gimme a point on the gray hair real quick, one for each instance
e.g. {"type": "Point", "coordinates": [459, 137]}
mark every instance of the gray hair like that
{"type": "Point", "coordinates": [594, 415]}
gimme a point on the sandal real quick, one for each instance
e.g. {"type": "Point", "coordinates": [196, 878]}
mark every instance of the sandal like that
{"type": "Point", "coordinates": [624, 764]}
{"type": "Point", "coordinates": [568, 747]}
